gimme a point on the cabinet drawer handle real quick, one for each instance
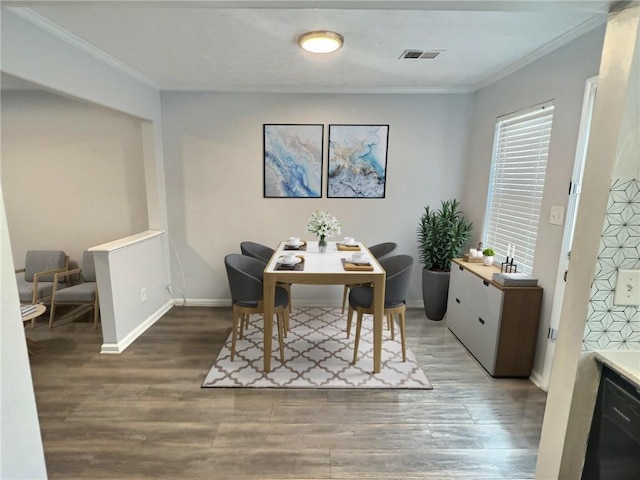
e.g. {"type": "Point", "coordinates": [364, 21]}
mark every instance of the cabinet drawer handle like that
{"type": "Point", "coordinates": [481, 320]}
{"type": "Point", "coordinates": [457, 300]}
{"type": "Point", "coordinates": [486, 284]}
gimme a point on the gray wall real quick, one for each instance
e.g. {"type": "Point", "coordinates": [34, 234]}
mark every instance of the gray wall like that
{"type": "Point", "coordinates": [36, 56]}
{"type": "Point", "coordinates": [559, 76]}
{"type": "Point", "coordinates": [213, 150]}
{"type": "Point", "coordinates": [72, 173]}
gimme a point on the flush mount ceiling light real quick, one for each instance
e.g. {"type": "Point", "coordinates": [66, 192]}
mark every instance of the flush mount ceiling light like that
{"type": "Point", "coordinates": [320, 41]}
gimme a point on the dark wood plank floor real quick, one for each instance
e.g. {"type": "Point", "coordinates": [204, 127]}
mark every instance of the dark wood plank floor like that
{"type": "Point", "coordinates": [143, 415]}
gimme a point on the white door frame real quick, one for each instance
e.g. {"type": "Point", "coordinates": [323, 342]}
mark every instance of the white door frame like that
{"type": "Point", "coordinates": [572, 210]}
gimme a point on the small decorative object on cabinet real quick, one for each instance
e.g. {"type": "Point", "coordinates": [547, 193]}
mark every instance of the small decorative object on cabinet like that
{"type": "Point", "coordinates": [497, 324]}
{"type": "Point", "coordinates": [488, 254]}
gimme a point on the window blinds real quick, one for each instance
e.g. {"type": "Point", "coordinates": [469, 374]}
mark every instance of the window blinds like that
{"type": "Point", "coordinates": [519, 164]}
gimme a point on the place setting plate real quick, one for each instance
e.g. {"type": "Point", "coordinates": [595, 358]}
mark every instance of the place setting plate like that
{"type": "Point", "coordinates": [296, 264]}
{"type": "Point", "coordinates": [363, 265]}
{"type": "Point", "coordinates": [363, 261]}
{"type": "Point", "coordinates": [300, 246]}
{"type": "Point", "coordinates": [283, 261]}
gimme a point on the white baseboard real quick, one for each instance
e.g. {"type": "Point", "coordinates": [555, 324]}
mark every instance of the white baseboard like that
{"type": "Point", "coordinates": [226, 302]}
{"type": "Point", "coordinates": [203, 302]}
{"type": "Point", "coordinates": [119, 347]}
{"type": "Point", "coordinates": [538, 381]}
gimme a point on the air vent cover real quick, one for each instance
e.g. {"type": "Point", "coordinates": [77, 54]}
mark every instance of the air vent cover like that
{"type": "Point", "coordinates": [415, 54]}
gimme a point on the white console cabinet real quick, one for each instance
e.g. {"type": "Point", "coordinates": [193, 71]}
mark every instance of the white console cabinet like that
{"type": "Point", "coordinates": [498, 325]}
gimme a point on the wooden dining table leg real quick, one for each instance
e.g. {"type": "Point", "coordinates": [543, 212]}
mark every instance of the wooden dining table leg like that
{"type": "Point", "coordinates": [378, 320]}
{"type": "Point", "coordinates": [269, 293]}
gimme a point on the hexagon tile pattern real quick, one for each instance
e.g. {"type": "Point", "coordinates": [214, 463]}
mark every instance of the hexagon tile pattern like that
{"type": "Point", "coordinates": [609, 326]}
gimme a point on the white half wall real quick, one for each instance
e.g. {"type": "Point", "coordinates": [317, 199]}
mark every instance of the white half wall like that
{"type": "Point", "coordinates": [214, 169]}
{"type": "Point", "coordinates": [559, 76]}
{"type": "Point", "coordinates": [132, 283]}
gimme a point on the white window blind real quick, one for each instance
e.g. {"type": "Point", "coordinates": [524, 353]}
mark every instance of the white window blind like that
{"type": "Point", "coordinates": [519, 164]}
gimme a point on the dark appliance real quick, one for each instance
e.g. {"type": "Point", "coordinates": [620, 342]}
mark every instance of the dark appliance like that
{"type": "Point", "coordinates": [613, 451]}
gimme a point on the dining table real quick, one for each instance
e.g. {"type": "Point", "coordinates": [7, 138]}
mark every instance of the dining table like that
{"type": "Point", "coordinates": [330, 267]}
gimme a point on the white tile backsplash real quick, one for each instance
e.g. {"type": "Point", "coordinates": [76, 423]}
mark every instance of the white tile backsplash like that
{"type": "Point", "coordinates": [609, 326]}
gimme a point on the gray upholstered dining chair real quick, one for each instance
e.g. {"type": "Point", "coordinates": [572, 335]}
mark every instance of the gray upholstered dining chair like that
{"type": "Point", "coordinates": [398, 270]}
{"type": "Point", "coordinates": [257, 250]}
{"type": "Point", "coordinates": [35, 280]}
{"type": "Point", "coordinates": [379, 251]}
{"type": "Point", "coordinates": [245, 282]}
{"type": "Point", "coordinates": [83, 293]}
{"type": "Point", "coordinates": [264, 253]}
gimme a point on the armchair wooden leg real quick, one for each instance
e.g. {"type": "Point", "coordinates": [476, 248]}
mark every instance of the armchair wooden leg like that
{"type": "Point", "coordinates": [52, 314]}
{"type": "Point", "coordinates": [391, 325]}
{"type": "Point", "coordinates": [285, 328]}
{"type": "Point", "coordinates": [402, 335]}
{"type": "Point", "coordinates": [356, 343]}
{"type": "Point", "coordinates": [244, 324]}
{"type": "Point", "coordinates": [280, 313]}
{"type": "Point", "coordinates": [344, 298]}
{"type": "Point", "coordinates": [96, 313]}
{"type": "Point", "coordinates": [349, 321]}
{"type": "Point", "coordinates": [96, 310]}
{"type": "Point", "coordinates": [237, 319]}
{"type": "Point", "coordinates": [287, 287]}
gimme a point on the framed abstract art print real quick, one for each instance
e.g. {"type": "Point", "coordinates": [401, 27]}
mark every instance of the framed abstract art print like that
{"type": "Point", "coordinates": [357, 161]}
{"type": "Point", "coordinates": [293, 161]}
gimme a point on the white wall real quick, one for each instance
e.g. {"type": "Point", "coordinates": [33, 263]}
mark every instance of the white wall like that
{"type": "Point", "coordinates": [21, 452]}
{"type": "Point", "coordinates": [559, 76]}
{"type": "Point", "coordinates": [72, 173]}
{"type": "Point", "coordinates": [40, 58]}
{"type": "Point", "coordinates": [561, 448]}
{"type": "Point", "coordinates": [214, 169]}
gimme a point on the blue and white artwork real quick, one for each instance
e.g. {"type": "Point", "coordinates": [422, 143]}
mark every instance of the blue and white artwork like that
{"type": "Point", "coordinates": [293, 161]}
{"type": "Point", "coordinates": [357, 161]}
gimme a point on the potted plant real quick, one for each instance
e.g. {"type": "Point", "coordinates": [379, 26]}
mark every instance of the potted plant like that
{"type": "Point", "coordinates": [442, 235]}
{"type": "Point", "coordinates": [488, 254]}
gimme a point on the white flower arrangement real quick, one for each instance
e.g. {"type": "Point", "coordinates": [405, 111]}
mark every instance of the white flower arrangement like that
{"type": "Point", "coordinates": [323, 224]}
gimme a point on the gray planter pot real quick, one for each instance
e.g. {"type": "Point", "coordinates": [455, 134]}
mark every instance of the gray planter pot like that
{"type": "Point", "coordinates": [435, 290]}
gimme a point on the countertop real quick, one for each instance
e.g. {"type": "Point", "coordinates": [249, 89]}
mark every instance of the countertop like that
{"type": "Point", "coordinates": [624, 362]}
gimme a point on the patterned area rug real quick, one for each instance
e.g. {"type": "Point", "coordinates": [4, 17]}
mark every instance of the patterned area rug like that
{"type": "Point", "coordinates": [318, 354]}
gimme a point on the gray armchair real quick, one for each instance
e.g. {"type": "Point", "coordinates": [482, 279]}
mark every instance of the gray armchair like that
{"type": "Point", "coordinates": [398, 270]}
{"type": "Point", "coordinates": [379, 251]}
{"type": "Point", "coordinates": [264, 253]}
{"type": "Point", "coordinates": [83, 294]}
{"type": "Point", "coordinates": [245, 282]}
{"type": "Point", "coordinates": [35, 280]}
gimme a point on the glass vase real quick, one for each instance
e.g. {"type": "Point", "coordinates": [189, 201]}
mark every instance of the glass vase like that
{"type": "Point", "coordinates": [322, 244]}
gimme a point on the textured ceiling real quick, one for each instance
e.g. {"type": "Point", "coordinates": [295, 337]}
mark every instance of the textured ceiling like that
{"type": "Point", "coordinates": [234, 46]}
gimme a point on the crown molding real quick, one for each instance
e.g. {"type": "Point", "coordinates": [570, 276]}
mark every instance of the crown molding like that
{"type": "Point", "coordinates": [57, 31]}
{"type": "Point", "coordinates": [558, 42]}
{"type": "Point", "coordinates": [326, 90]}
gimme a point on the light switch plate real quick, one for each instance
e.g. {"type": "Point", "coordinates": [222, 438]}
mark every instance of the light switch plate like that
{"type": "Point", "coordinates": [627, 288]}
{"type": "Point", "coordinates": [556, 215]}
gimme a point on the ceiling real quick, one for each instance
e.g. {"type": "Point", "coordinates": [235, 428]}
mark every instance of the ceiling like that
{"type": "Point", "coordinates": [250, 46]}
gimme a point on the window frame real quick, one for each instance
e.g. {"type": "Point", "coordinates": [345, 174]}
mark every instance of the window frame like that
{"type": "Point", "coordinates": [529, 198]}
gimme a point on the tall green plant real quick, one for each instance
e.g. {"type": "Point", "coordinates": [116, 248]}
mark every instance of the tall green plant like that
{"type": "Point", "coordinates": [441, 235]}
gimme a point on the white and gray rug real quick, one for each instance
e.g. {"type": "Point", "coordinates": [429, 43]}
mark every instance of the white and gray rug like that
{"type": "Point", "coordinates": [318, 354]}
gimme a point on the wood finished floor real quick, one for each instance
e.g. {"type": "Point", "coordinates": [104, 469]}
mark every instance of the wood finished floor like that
{"type": "Point", "coordinates": [143, 415]}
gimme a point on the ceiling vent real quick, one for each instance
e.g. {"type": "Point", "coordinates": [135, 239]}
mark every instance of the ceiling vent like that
{"type": "Point", "coordinates": [414, 54]}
